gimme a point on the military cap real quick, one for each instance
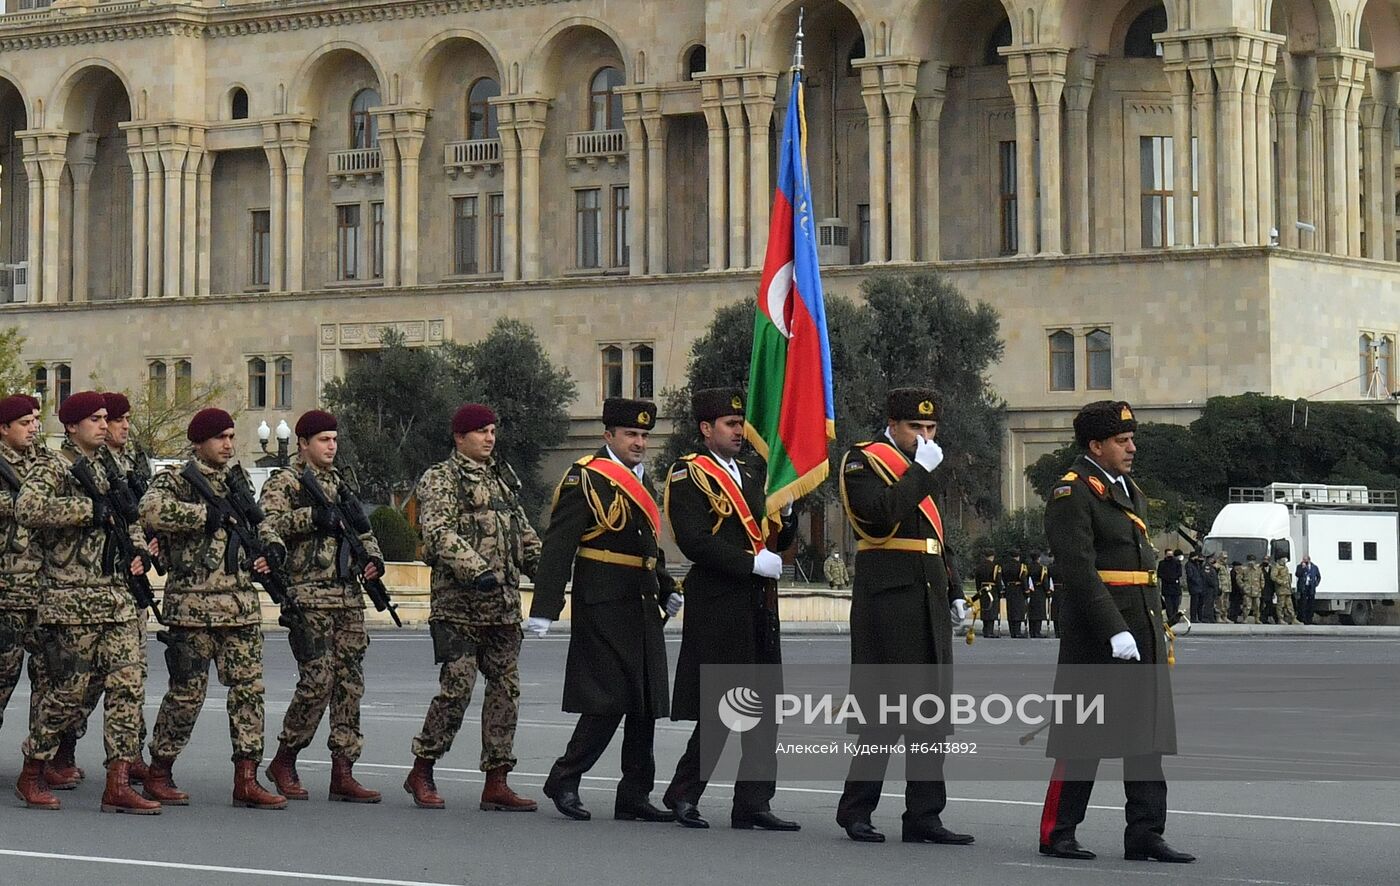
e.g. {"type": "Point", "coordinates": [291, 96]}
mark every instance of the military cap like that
{"type": "Point", "coordinates": [1103, 419]}
{"type": "Point", "coordinates": [118, 406]}
{"type": "Point", "coordinates": [208, 423]}
{"type": "Point", "coordinates": [619, 412]}
{"type": "Point", "coordinates": [317, 421]}
{"type": "Point", "coordinates": [473, 417]}
{"type": "Point", "coordinates": [911, 404]}
{"type": "Point", "coordinates": [713, 404]}
{"type": "Point", "coordinates": [79, 406]}
{"type": "Point", "coordinates": [15, 407]}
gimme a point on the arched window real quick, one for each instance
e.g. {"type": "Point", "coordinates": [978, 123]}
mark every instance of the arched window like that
{"type": "Point", "coordinates": [155, 382]}
{"type": "Point", "coordinates": [605, 105]}
{"type": "Point", "coordinates": [1098, 358]}
{"type": "Point", "coordinates": [364, 131]}
{"type": "Point", "coordinates": [1062, 360]}
{"type": "Point", "coordinates": [857, 52]}
{"type": "Point", "coordinates": [257, 383]}
{"type": "Point", "coordinates": [695, 62]}
{"type": "Point", "coordinates": [612, 371]}
{"type": "Point", "coordinates": [238, 104]}
{"type": "Point", "coordinates": [1385, 364]}
{"type": "Point", "coordinates": [1366, 355]}
{"type": "Point", "coordinates": [643, 369]}
{"type": "Point", "coordinates": [1000, 37]}
{"type": "Point", "coordinates": [481, 114]}
{"type": "Point", "coordinates": [184, 381]}
{"type": "Point", "coordinates": [1139, 43]}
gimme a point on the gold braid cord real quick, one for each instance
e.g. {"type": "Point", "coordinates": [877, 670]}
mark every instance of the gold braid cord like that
{"type": "Point", "coordinates": [846, 504]}
{"type": "Point", "coordinates": [609, 519]}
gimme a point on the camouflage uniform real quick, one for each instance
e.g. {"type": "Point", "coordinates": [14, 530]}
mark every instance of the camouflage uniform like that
{"type": "Point", "coordinates": [334, 612]}
{"type": "Point", "coordinates": [1252, 581]}
{"type": "Point", "coordinates": [837, 575]}
{"type": "Point", "coordinates": [472, 523]}
{"type": "Point", "coordinates": [212, 615]}
{"type": "Point", "coordinates": [1222, 598]}
{"type": "Point", "coordinates": [1283, 588]}
{"type": "Point", "coordinates": [88, 618]}
{"type": "Point", "coordinates": [19, 591]}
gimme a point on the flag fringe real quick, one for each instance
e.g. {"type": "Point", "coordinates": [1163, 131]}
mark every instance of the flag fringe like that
{"type": "Point", "coordinates": [756, 440]}
{"type": "Point", "coordinates": [790, 493]}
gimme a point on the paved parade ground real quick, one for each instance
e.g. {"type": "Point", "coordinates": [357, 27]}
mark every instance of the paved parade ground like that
{"type": "Point", "coordinates": [1272, 832]}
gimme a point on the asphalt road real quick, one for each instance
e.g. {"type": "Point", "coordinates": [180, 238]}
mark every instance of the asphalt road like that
{"type": "Point", "coordinates": [1272, 830]}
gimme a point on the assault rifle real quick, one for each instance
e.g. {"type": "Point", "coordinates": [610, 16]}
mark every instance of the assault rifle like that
{"type": "Point", "coordinates": [9, 478]}
{"type": "Point", "coordinates": [117, 511]}
{"type": "Point", "coordinates": [136, 486]}
{"type": "Point", "coordinates": [240, 515]}
{"type": "Point", "coordinates": [351, 556]}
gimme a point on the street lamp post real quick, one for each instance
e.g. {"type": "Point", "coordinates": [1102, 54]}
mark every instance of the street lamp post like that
{"type": "Point", "coordinates": [284, 439]}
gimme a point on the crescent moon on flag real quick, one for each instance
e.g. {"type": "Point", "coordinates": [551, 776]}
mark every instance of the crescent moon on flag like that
{"type": "Point", "coordinates": [779, 290]}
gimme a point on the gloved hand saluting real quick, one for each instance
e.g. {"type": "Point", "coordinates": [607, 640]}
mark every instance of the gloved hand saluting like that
{"type": "Point", "coordinates": [1124, 646]}
{"type": "Point", "coordinates": [928, 454]}
{"type": "Point", "coordinates": [767, 564]}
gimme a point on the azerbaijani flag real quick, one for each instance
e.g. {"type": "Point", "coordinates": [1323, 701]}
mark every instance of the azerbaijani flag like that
{"type": "Point", "coordinates": [791, 415]}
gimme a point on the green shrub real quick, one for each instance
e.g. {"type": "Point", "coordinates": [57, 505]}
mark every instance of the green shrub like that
{"type": "Point", "coordinates": [397, 539]}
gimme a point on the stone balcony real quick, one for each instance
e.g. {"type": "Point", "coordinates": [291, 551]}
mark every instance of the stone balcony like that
{"type": "Point", "coordinates": [468, 157]}
{"type": "Point", "coordinates": [595, 147]}
{"type": "Point", "coordinates": [366, 163]}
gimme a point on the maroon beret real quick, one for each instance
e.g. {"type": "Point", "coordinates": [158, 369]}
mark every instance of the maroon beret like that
{"type": "Point", "coordinates": [79, 406]}
{"type": "Point", "coordinates": [317, 421]}
{"type": "Point", "coordinates": [472, 417]}
{"type": "Point", "coordinates": [208, 423]}
{"type": "Point", "coordinates": [117, 405]}
{"type": "Point", "coordinates": [38, 407]}
{"type": "Point", "coordinates": [15, 407]}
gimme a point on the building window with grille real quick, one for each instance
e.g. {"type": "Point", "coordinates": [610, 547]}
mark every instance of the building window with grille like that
{"type": "Point", "coordinates": [282, 382]}
{"type": "Point", "coordinates": [364, 131]}
{"type": "Point", "coordinates": [605, 104]}
{"type": "Point", "coordinates": [1158, 216]}
{"type": "Point", "coordinates": [481, 114]}
{"type": "Point", "coordinates": [643, 377]}
{"type": "Point", "coordinates": [1098, 354]}
{"type": "Point", "coordinates": [184, 382]}
{"type": "Point", "coordinates": [262, 247]}
{"type": "Point", "coordinates": [156, 374]}
{"type": "Point", "coordinates": [464, 229]}
{"type": "Point", "coordinates": [612, 371]}
{"type": "Point", "coordinates": [621, 219]}
{"type": "Point", "coordinates": [495, 250]}
{"type": "Point", "coordinates": [1365, 346]}
{"type": "Point", "coordinates": [257, 383]}
{"type": "Point", "coordinates": [1061, 360]}
{"type": "Point", "coordinates": [63, 382]}
{"type": "Point", "coordinates": [1385, 364]}
{"type": "Point", "coordinates": [588, 233]}
{"type": "Point", "coordinates": [376, 221]}
{"type": "Point", "coordinates": [347, 242]}
{"type": "Point", "coordinates": [1007, 198]}
{"type": "Point", "coordinates": [39, 379]}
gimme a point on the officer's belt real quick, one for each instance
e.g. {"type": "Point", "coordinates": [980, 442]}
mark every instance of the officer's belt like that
{"type": "Point", "coordinates": [616, 559]}
{"type": "Point", "coordinates": [1125, 578]}
{"type": "Point", "coordinates": [905, 545]}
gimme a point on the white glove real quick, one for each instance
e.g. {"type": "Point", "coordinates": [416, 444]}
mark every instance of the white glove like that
{"type": "Point", "coordinates": [767, 564]}
{"type": "Point", "coordinates": [1124, 646]}
{"type": "Point", "coordinates": [928, 454]}
{"type": "Point", "coordinates": [674, 604]}
{"type": "Point", "coordinates": [537, 626]}
{"type": "Point", "coordinates": [961, 610]}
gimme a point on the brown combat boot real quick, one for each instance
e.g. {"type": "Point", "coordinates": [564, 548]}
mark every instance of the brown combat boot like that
{"type": "Point", "coordinates": [421, 785]}
{"type": "Point", "coordinates": [62, 773]}
{"type": "Point", "coordinates": [31, 787]}
{"type": "Point", "coordinates": [159, 786]}
{"type": "Point", "coordinates": [137, 771]}
{"type": "Point", "coordinates": [498, 797]}
{"type": "Point", "coordinates": [248, 793]}
{"type": "Point", "coordinates": [282, 772]}
{"type": "Point", "coordinates": [119, 797]}
{"type": "Point", "coordinates": [344, 787]}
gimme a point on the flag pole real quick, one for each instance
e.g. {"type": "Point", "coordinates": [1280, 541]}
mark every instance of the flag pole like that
{"type": "Point", "coordinates": [797, 54]}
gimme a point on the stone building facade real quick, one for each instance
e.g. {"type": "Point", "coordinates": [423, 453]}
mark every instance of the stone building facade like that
{"type": "Point", "coordinates": [1164, 201]}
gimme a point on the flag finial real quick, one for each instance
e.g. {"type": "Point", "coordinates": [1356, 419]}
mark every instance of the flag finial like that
{"type": "Point", "coordinates": [797, 53]}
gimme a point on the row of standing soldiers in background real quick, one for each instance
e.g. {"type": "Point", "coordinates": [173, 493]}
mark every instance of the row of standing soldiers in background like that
{"type": "Point", "coordinates": [1027, 589]}
{"type": "Point", "coordinates": [1251, 592]}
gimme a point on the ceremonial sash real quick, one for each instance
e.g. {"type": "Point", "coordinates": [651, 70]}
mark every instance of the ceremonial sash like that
{"type": "Point", "coordinates": [894, 462]}
{"type": "Point", "coordinates": [624, 479]}
{"type": "Point", "coordinates": [732, 491]}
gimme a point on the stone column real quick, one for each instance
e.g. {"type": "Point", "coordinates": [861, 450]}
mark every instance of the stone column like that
{"type": "Point", "coordinates": [1026, 203]}
{"type": "Point", "coordinates": [529, 127]}
{"type": "Point", "coordinates": [1341, 78]}
{"type": "Point", "coordinates": [510, 192]}
{"type": "Point", "coordinates": [155, 201]}
{"type": "Point", "coordinates": [410, 128]}
{"type": "Point", "coordinates": [930, 110]}
{"type": "Point", "coordinates": [51, 163]}
{"type": "Point", "coordinates": [139, 219]}
{"type": "Point", "coordinates": [759, 90]}
{"type": "Point", "coordinates": [899, 80]}
{"type": "Point", "coordinates": [1378, 165]}
{"type": "Point", "coordinates": [1048, 92]}
{"type": "Point", "coordinates": [1203, 107]}
{"type": "Point", "coordinates": [1310, 207]}
{"type": "Point", "coordinates": [393, 202]}
{"type": "Point", "coordinates": [1250, 133]}
{"type": "Point", "coordinates": [872, 93]}
{"type": "Point", "coordinates": [636, 185]}
{"type": "Point", "coordinates": [189, 261]}
{"type": "Point", "coordinates": [738, 175]}
{"type": "Point", "coordinates": [205, 224]}
{"type": "Point", "coordinates": [296, 141]}
{"type": "Point", "coordinates": [82, 157]}
{"type": "Point", "coordinates": [1231, 73]}
{"type": "Point", "coordinates": [277, 208]}
{"type": "Point", "coordinates": [1353, 130]}
{"type": "Point", "coordinates": [1079, 89]}
{"type": "Point", "coordinates": [174, 150]}
{"type": "Point", "coordinates": [34, 237]}
{"type": "Point", "coordinates": [653, 212]}
{"type": "Point", "coordinates": [710, 95]}
{"type": "Point", "coordinates": [1179, 79]}
{"type": "Point", "coordinates": [1263, 108]}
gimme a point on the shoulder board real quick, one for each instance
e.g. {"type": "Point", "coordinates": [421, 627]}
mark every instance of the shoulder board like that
{"type": "Point", "coordinates": [1069, 477]}
{"type": "Point", "coordinates": [585, 460]}
{"type": "Point", "coordinates": [689, 456]}
{"type": "Point", "coordinates": [862, 444]}
{"type": "Point", "coordinates": [1097, 485]}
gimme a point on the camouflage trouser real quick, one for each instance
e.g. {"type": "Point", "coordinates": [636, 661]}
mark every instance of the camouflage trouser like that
{"type": "Point", "coordinates": [17, 638]}
{"type": "Point", "coordinates": [336, 679]}
{"type": "Point", "coordinates": [1222, 607]}
{"type": "Point", "coordinates": [1285, 611]}
{"type": "Point", "coordinates": [108, 654]}
{"type": "Point", "coordinates": [96, 687]}
{"type": "Point", "coordinates": [497, 656]}
{"type": "Point", "coordinates": [237, 657]}
{"type": "Point", "coordinates": [1249, 614]}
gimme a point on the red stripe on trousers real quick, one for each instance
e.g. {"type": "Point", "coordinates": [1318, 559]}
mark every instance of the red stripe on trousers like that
{"type": "Point", "coordinates": [1051, 812]}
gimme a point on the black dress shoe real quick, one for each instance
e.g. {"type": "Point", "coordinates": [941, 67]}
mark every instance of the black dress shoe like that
{"type": "Point", "coordinates": [763, 821]}
{"type": "Point", "coordinates": [1158, 850]}
{"type": "Point", "coordinates": [1067, 848]}
{"type": "Point", "coordinates": [864, 832]}
{"type": "Point", "coordinates": [687, 814]}
{"type": "Point", "coordinates": [643, 811]}
{"type": "Point", "coordinates": [940, 834]}
{"type": "Point", "coordinates": [569, 805]}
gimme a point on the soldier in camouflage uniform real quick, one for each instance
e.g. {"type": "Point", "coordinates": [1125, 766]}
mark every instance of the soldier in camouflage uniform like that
{"type": "Point", "coordinates": [19, 560]}
{"type": "Point", "coordinates": [213, 613]}
{"type": "Point", "coordinates": [1222, 598]}
{"type": "Point", "coordinates": [479, 541]}
{"type": "Point", "coordinates": [1283, 588]}
{"type": "Point", "coordinates": [86, 613]}
{"type": "Point", "coordinates": [330, 648]}
{"type": "Point", "coordinates": [1252, 581]}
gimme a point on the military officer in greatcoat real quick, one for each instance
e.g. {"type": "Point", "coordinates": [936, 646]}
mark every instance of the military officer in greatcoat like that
{"type": "Point", "coordinates": [602, 530]}
{"type": "Point", "coordinates": [1112, 642]}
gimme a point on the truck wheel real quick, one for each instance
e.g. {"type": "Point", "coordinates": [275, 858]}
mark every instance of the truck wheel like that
{"type": "Point", "coordinates": [1360, 613]}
